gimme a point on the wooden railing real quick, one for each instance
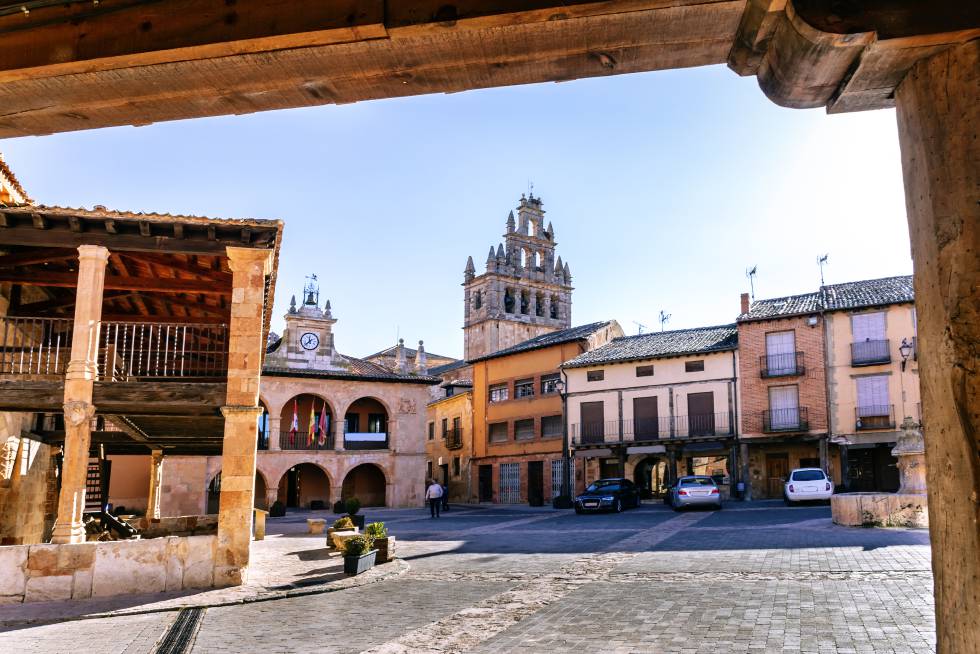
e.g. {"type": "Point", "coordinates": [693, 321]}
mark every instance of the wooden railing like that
{"type": "Point", "coordinates": [134, 350]}
{"type": "Point", "coordinates": [35, 346]}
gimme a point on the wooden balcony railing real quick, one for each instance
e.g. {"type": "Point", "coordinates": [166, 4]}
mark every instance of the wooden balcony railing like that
{"type": "Point", "coordinates": [35, 346]}
{"type": "Point", "coordinates": [134, 350]}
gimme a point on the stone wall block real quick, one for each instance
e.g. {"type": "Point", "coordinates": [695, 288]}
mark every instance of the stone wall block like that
{"type": "Point", "coordinates": [198, 562]}
{"type": "Point", "coordinates": [176, 552]}
{"type": "Point", "coordinates": [44, 589]}
{"type": "Point", "coordinates": [13, 565]}
{"type": "Point", "coordinates": [82, 583]}
{"type": "Point", "coordinates": [136, 566]}
{"type": "Point", "coordinates": [42, 560]}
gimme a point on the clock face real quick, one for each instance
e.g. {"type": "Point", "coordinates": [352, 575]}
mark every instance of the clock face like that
{"type": "Point", "coordinates": [309, 341]}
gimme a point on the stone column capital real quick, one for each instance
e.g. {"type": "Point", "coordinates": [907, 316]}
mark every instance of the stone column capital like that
{"type": "Point", "coordinates": [98, 253]}
{"type": "Point", "coordinates": [235, 411]}
{"type": "Point", "coordinates": [240, 259]}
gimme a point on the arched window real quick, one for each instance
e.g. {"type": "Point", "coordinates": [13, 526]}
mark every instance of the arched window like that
{"type": "Point", "coordinates": [509, 301]}
{"type": "Point", "coordinates": [554, 307]}
{"type": "Point", "coordinates": [539, 305]}
{"type": "Point", "coordinates": [478, 299]}
{"type": "Point", "coordinates": [525, 302]}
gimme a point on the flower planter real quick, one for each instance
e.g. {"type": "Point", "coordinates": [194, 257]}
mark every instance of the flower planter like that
{"type": "Point", "coordinates": [358, 520]}
{"type": "Point", "coordinates": [355, 565]}
{"type": "Point", "coordinates": [386, 549]}
{"type": "Point", "coordinates": [338, 536]}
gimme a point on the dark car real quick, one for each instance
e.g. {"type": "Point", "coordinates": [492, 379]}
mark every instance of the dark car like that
{"type": "Point", "coordinates": [608, 495]}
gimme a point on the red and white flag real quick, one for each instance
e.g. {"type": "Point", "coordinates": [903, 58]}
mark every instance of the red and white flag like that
{"type": "Point", "coordinates": [294, 427]}
{"type": "Point", "coordinates": [323, 425]}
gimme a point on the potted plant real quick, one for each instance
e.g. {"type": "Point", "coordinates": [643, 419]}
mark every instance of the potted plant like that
{"type": "Point", "coordinates": [338, 506]}
{"type": "Point", "coordinates": [340, 524]}
{"type": "Point", "coordinates": [384, 543]}
{"type": "Point", "coordinates": [277, 510]}
{"type": "Point", "coordinates": [353, 505]}
{"type": "Point", "coordinates": [358, 555]}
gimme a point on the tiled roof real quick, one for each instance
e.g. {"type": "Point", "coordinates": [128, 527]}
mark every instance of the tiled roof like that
{"type": "Point", "coordinates": [835, 297]}
{"type": "Point", "coordinates": [409, 353]}
{"type": "Point", "coordinates": [447, 367]}
{"type": "Point", "coordinates": [699, 340]}
{"type": "Point", "coordinates": [547, 340]}
{"type": "Point", "coordinates": [868, 293]}
{"type": "Point", "coordinates": [358, 370]}
{"type": "Point", "coordinates": [9, 174]}
{"type": "Point", "coordinates": [779, 307]}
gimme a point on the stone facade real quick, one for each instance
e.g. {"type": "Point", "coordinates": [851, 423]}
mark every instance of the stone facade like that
{"type": "Point", "coordinates": [525, 291]}
{"type": "Point", "coordinates": [448, 455]}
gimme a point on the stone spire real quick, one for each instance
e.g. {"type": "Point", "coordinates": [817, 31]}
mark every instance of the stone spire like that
{"type": "Point", "coordinates": [511, 224]}
{"type": "Point", "coordinates": [400, 364]}
{"type": "Point", "coordinates": [470, 270]}
{"type": "Point", "coordinates": [551, 232]}
{"type": "Point", "coordinates": [568, 274]}
{"type": "Point", "coordinates": [292, 305]}
{"type": "Point", "coordinates": [500, 252]}
{"type": "Point", "coordinates": [326, 310]}
{"type": "Point", "coordinates": [421, 363]}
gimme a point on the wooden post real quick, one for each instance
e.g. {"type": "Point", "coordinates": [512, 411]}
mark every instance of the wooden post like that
{"type": "Point", "coordinates": [938, 110]}
{"type": "Point", "coordinates": [79, 382]}
{"type": "Point", "coordinates": [241, 411]}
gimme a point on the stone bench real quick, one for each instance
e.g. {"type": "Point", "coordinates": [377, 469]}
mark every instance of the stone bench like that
{"type": "Point", "coordinates": [338, 538]}
{"type": "Point", "coordinates": [315, 525]}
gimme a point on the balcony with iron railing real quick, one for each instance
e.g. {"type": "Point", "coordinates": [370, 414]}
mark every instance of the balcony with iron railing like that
{"type": "Point", "coordinates": [124, 351]}
{"type": "Point", "coordinates": [454, 439]}
{"type": "Point", "coordinates": [870, 353]}
{"type": "Point", "coordinates": [785, 420]}
{"type": "Point", "coordinates": [789, 364]}
{"type": "Point", "coordinates": [302, 440]}
{"type": "Point", "coordinates": [881, 416]}
{"type": "Point", "coordinates": [644, 430]}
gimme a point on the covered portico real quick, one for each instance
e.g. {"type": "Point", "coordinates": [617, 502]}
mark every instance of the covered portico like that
{"type": "Point", "coordinates": [138, 334]}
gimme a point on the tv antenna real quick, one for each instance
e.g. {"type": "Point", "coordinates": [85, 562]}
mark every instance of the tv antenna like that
{"type": "Point", "coordinates": [664, 318]}
{"type": "Point", "coordinates": [750, 273]}
{"type": "Point", "coordinates": [639, 327]}
{"type": "Point", "coordinates": [822, 261]}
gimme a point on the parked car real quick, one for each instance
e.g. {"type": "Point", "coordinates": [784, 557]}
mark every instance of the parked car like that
{"type": "Point", "coordinates": [695, 490]}
{"type": "Point", "coordinates": [608, 495]}
{"type": "Point", "coordinates": [804, 484]}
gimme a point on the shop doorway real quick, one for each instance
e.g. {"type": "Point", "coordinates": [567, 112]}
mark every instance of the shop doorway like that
{"type": "Point", "coordinates": [872, 469]}
{"type": "Point", "coordinates": [535, 483]}
{"type": "Point", "coordinates": [485, 483]}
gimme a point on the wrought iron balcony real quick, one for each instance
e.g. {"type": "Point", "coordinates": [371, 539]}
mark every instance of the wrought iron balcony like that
{"type": "Point", "coordinates": [454, 439]}
{"type": "Point", "coordinates": [783, 420]}
{"type": "Point", "coordinates": [365, 441]}
{"type": "Point", "coordinates": [881, 416]}
{"type": "Point", "coordinates": [789, 364]}
{"type": "Point", "coordinates": [641, 430]}
{"type": "Point", "coordinates": [301, 440]}
{"type": "Point", "coordinates": [870, 353]}
{"type": "Point", "coordinates": [35, 346]}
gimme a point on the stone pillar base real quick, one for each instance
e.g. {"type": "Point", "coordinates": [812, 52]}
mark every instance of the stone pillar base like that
{"type": "Point", "coordinates": [880, 510]}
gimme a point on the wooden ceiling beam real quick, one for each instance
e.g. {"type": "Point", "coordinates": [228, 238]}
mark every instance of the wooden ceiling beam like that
{"type": "Point", "coordinates": [117, 283]}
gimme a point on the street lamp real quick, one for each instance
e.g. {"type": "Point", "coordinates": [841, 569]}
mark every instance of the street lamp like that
{"type": "Point", "coordinates": [564, 500]}
{"type": "Point", "coordinates": [905, 349]}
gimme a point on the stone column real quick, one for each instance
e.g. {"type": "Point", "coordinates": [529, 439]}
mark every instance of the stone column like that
{"type": "Point", "coordinates": [156, 476]}
{"type": "Point", "coordinates": [275, 425]}
{"type": "Point", "coordinates": [79, 382]}
{"type": "Point", "coordinates": [271, 494]}
{"type": "Point", "coordinates": [241, 411]}
{"type": "Point", "coordinates": [938, 111]}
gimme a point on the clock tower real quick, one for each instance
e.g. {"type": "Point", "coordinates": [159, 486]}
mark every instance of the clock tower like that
{"type": "Point", "coordinates": [307, 343]}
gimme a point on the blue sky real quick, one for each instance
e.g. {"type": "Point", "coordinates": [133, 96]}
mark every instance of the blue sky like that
{"type": "Point", "coordinates": [662, 188]}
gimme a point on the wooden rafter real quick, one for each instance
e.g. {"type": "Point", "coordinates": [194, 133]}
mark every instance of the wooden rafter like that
{"type": "Point", "coordinates": [70, 280]}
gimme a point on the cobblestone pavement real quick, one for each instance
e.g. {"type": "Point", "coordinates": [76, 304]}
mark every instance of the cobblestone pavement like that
{"type": "Point", "coordinates": [751, 578]}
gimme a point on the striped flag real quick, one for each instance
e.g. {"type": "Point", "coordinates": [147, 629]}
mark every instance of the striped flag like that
{"type": "Point", "coordinates": [311, 431]}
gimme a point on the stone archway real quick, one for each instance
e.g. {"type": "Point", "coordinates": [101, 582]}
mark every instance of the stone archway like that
{"type": "Point", "coordinates": [214, 494]}
{"type": "Point", "coordinates": [367, 483]}
{"type": "Point", "coordinates": [303, 405]}
{"type": "Point", "coordinates": [305, 486]}
{"type": "Point", "coordinates": [260, 501]}
{"type": "Point", "coordinates": [649, 475]}
{"type": "Point", "coordinates": [366, 425]}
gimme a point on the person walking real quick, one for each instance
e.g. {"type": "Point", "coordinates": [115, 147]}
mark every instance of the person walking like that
{"type": "Point", "coordinates": [433, 494]}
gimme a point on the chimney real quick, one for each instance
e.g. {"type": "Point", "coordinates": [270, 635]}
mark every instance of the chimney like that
{"type": "Point", "coordinates": [745, 303]}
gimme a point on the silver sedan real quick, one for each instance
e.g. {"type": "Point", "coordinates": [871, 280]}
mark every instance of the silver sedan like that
{"type": "Point", "coordinates": [695, 490]}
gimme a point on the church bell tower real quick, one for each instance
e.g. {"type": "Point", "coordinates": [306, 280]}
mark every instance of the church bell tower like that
{"type": "Point", "coordinates": [524, 292]}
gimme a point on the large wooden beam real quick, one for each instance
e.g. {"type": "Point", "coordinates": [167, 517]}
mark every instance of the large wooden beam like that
{"type": "Point", "coordinates": [116, 283]}
{"type": "Point", "coordinates": [159, 398]}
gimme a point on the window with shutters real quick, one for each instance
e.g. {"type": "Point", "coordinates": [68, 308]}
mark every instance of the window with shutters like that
{"type": "Point", "coordinates": [551, 427]}
{"type": "Point", "coordinates": [524, 388]}
{"type": "Point", "coordinates": [873, 404]}
{"type": "Point", "coordinates": [780, 354]}
{"type": "Point", "coordinates": [595, 375]}
{"type": "Point", "coordinates": [499, 393]}
{"type": "Point", "coordinates": [646, 423]}
{"type": "Point", "coordinates": [694, 366]}
{"type": "Point", "coordinates": [497, 432]}
{"type": "Point", "coordinates": [524, 429]}
{"type": "Point", "coordinates": [870, 345]}
{"type": "Point", "coordinates": [644, 371]}
{"type": "Point", "coordinates": [445, 428]}
{"type": "Point", "coordinates": [432, 430]}
{"type": "Point", "coordinates": [592, 425]}
{"type": "Point", "coordinates": [784, 409]}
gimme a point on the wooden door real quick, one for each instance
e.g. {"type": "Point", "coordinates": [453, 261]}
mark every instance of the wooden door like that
{"type": "Point", "coordinates": [645, 418]}
{"type": "Point", "coordinates": [591, 423]}
{"type": "Point", "coordinates": [777, 469]}
{"type": "Point", "coordinates": [701, 414]}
